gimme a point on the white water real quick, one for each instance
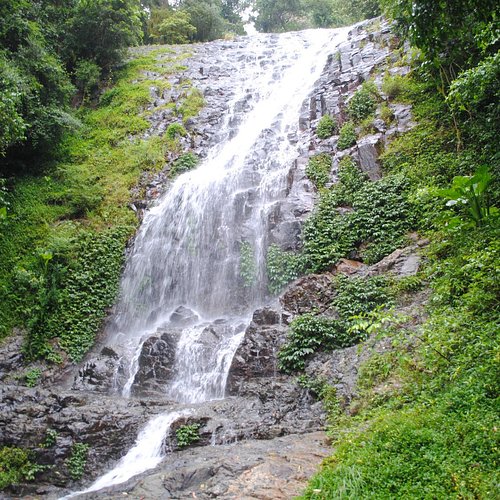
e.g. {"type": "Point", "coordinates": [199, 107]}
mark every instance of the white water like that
{"type": "Point", "coordinates": [187, 251]}
{"type": "Point", "coordinates": [146, 454]}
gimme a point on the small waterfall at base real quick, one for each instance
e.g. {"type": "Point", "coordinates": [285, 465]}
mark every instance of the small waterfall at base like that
{"type": "Point", "coordinates": [144, 455]}
{"type": "Point", "coordinates": [186, 277]}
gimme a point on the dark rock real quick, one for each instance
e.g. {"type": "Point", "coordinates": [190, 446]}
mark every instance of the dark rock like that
{"type": "Point", "coordinates": [183, 316]}
{"type": "Point", "coordinates": [310, 293]}
{"type": "Point", "coordinates": [368, 156]}
{"type": "Point", "coordinates": [155, 365]}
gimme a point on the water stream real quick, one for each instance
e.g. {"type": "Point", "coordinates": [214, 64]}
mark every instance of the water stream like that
{"type": "Point", "coordinates": [185, 270]}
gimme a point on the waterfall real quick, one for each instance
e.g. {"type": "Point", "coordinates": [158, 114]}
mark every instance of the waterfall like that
{"type": "Point", "coordinates": [184, 274]}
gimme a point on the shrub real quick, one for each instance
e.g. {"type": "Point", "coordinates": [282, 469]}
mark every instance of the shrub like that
{"type": "Point", "coordinates": [307, 335]}
{"type": "Point", "coordinates": [184, 163]}
{"type": "Point", "coordinates": [394, 86]}
{"type": "Point", "coordinates": [347, 136]}
{"type": "Point", "coordinates": [16, 466]}
{"type": "Point", "coordinates": [187, 435]}
{"type": "Point", "coordinates": [248, 268]}
{"type": "Point", "coordinates": [363, 103]}
{"type": "Point", "coordinates": [32, 377]}
{"type": "Point", "coordinates": [327, 126]}
{"type": "Point", "coordinates": [282, 267]}
{"type": "Point", "coordinates": [386, 113]}
{"type": "Point", "coordinates": [310, 333]}
{"type": "Point", "coordinates": [78, 460]}
{"type": "Point", "coordinates": [318, 169]}
{"type": "Point", "coordinates": [381, 215]}
{"type": "Point", "coordinates": [174, 130]}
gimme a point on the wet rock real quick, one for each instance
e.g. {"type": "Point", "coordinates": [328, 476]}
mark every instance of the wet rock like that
{"type": "Point", "coordinates": [11, 355]}
{"type": "Point", "coordinates": [310, 293]}
{"type": "Point", "coordinates": [155, 365]}
{"type": "Point", "coordinates": [254, 469]}
{"type": "Point", "coordinates": [97, 373]}
{"type": "Point", "coordinates": [183, 316]}
{"type": "Point", "coordinates": [368, 156]}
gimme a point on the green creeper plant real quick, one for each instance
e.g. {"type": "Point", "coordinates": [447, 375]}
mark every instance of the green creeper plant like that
{"type": "Point", "coordinates": [187, 434]}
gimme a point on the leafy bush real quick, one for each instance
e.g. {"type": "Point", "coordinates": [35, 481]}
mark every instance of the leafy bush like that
{"type": "Point", "coordinates": [77, 460]}
{"type": "Point", "coordinates": [318, 169]}
{"type": "Point", "coordinates": [386, 113]}
{"type": "Point", "coordinates": [187, 435]}
{"type": "Point", "coordinates": [184, 163]}
{"type": "Point", "coordinates": [281, 267]}
{"type": "Point", "coordinates": [394, 86]}
{"type": "Point", "coordinates": [347, 136]}
{"type": "Point", "coordinates": [472, 193]}
{"type": "Point", "coordinates": [72, 302]}
{"type": "Point", "coordinates": [380, 217]}
{"type": "Point", "coordinates": [16, 466]}
{"type": "Point", "coordinates": [248, 268]}
{"type": "Point", "coordinates": [174, 130]}
{"type": "Point", "coordinates": [32, 377]}
{"type": "Point", "coordinates": [309, 333]}
{"type": "Point", "coordinates": [326, 127]}
{"type": "Point", "coordinates": [363, 103]}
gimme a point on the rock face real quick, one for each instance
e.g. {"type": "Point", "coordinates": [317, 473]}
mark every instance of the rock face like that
{"type": "Point", "coordinates": [155, 365]}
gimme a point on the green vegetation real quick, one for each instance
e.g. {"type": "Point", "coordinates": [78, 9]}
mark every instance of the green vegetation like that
{"type": "Point", "coordinates": [50, 438]}
{"type": "Point", "coordinates": [66, 228]}
{"type": "Point", "coordinates": [287, 15]}
{"type": "Point", "coordinates": [424, 422]}
{"type": "Point", "coordinates": [282, 267]}
{"type": "Point", "coordinates": [32, 377]}
{"type": "Point", "coordinates": [347, 136]}
{"type": "Point", "coordinates": [16, 466]}
{"type": "Point", "coordinates": [248, 267]}
{"type": "Point", "coordinates": [193, 20]}
{"type": "Point", "coordinates": [77, 460]}
{"type": "Point", "coordinates": [310, 333]}
{"type": "Point", "coordinates": [327, 126]}
{"type": "Point", "coordinates": [374, 225]}
{"type": "Point", "coordinates": [184, 163]}
{"type": "Point", "coordinates": [187, 435]}
{"type": "Point", "coordinates": [318, 169]}
{"type": "Point", "coordinates": [363, 103]}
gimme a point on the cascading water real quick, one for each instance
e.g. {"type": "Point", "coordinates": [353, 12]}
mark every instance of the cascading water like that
{"type": "Point", "coordinates": [184, 272]}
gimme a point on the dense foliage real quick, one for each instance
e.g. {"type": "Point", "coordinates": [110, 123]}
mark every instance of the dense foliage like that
{"type": "Point", "coordinates": [310, 333]}
{"type": "Point", "coordinates": [64, 232]}
{"type": "Point", "coordinates": [286, 15]}
{"type": "Point", "coordinates": [44, 46]}
{"type": "Point", "coordinates": [194, 20]}
{"type": "Point", "coordinates": [357, 216]}
{"type": "Point", "coordinates": [424, 422]}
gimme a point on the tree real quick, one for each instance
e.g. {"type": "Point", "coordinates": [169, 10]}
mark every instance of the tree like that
{"type": "Point", "coordinates": [279, 15]}
{"type": "Point", "coordinates": [34, 86]}
{"type": "Point", "coordinates": [176, 28]}
{"type": "Point", "coordinates": [101, 31]}
{"type": "Point", "coordinates": [453, 34]}
{"type": "Point", "coordinates": [206, 17]}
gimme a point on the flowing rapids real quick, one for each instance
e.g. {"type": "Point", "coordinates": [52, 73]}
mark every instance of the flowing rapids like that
{"type": "Point", "coordinates": [197, 266]}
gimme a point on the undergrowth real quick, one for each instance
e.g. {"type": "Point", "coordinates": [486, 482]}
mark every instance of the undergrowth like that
{"type": "Point", "coordinates": [65, 229]}
{"type": "Point", "coordinates": [424, 423]}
